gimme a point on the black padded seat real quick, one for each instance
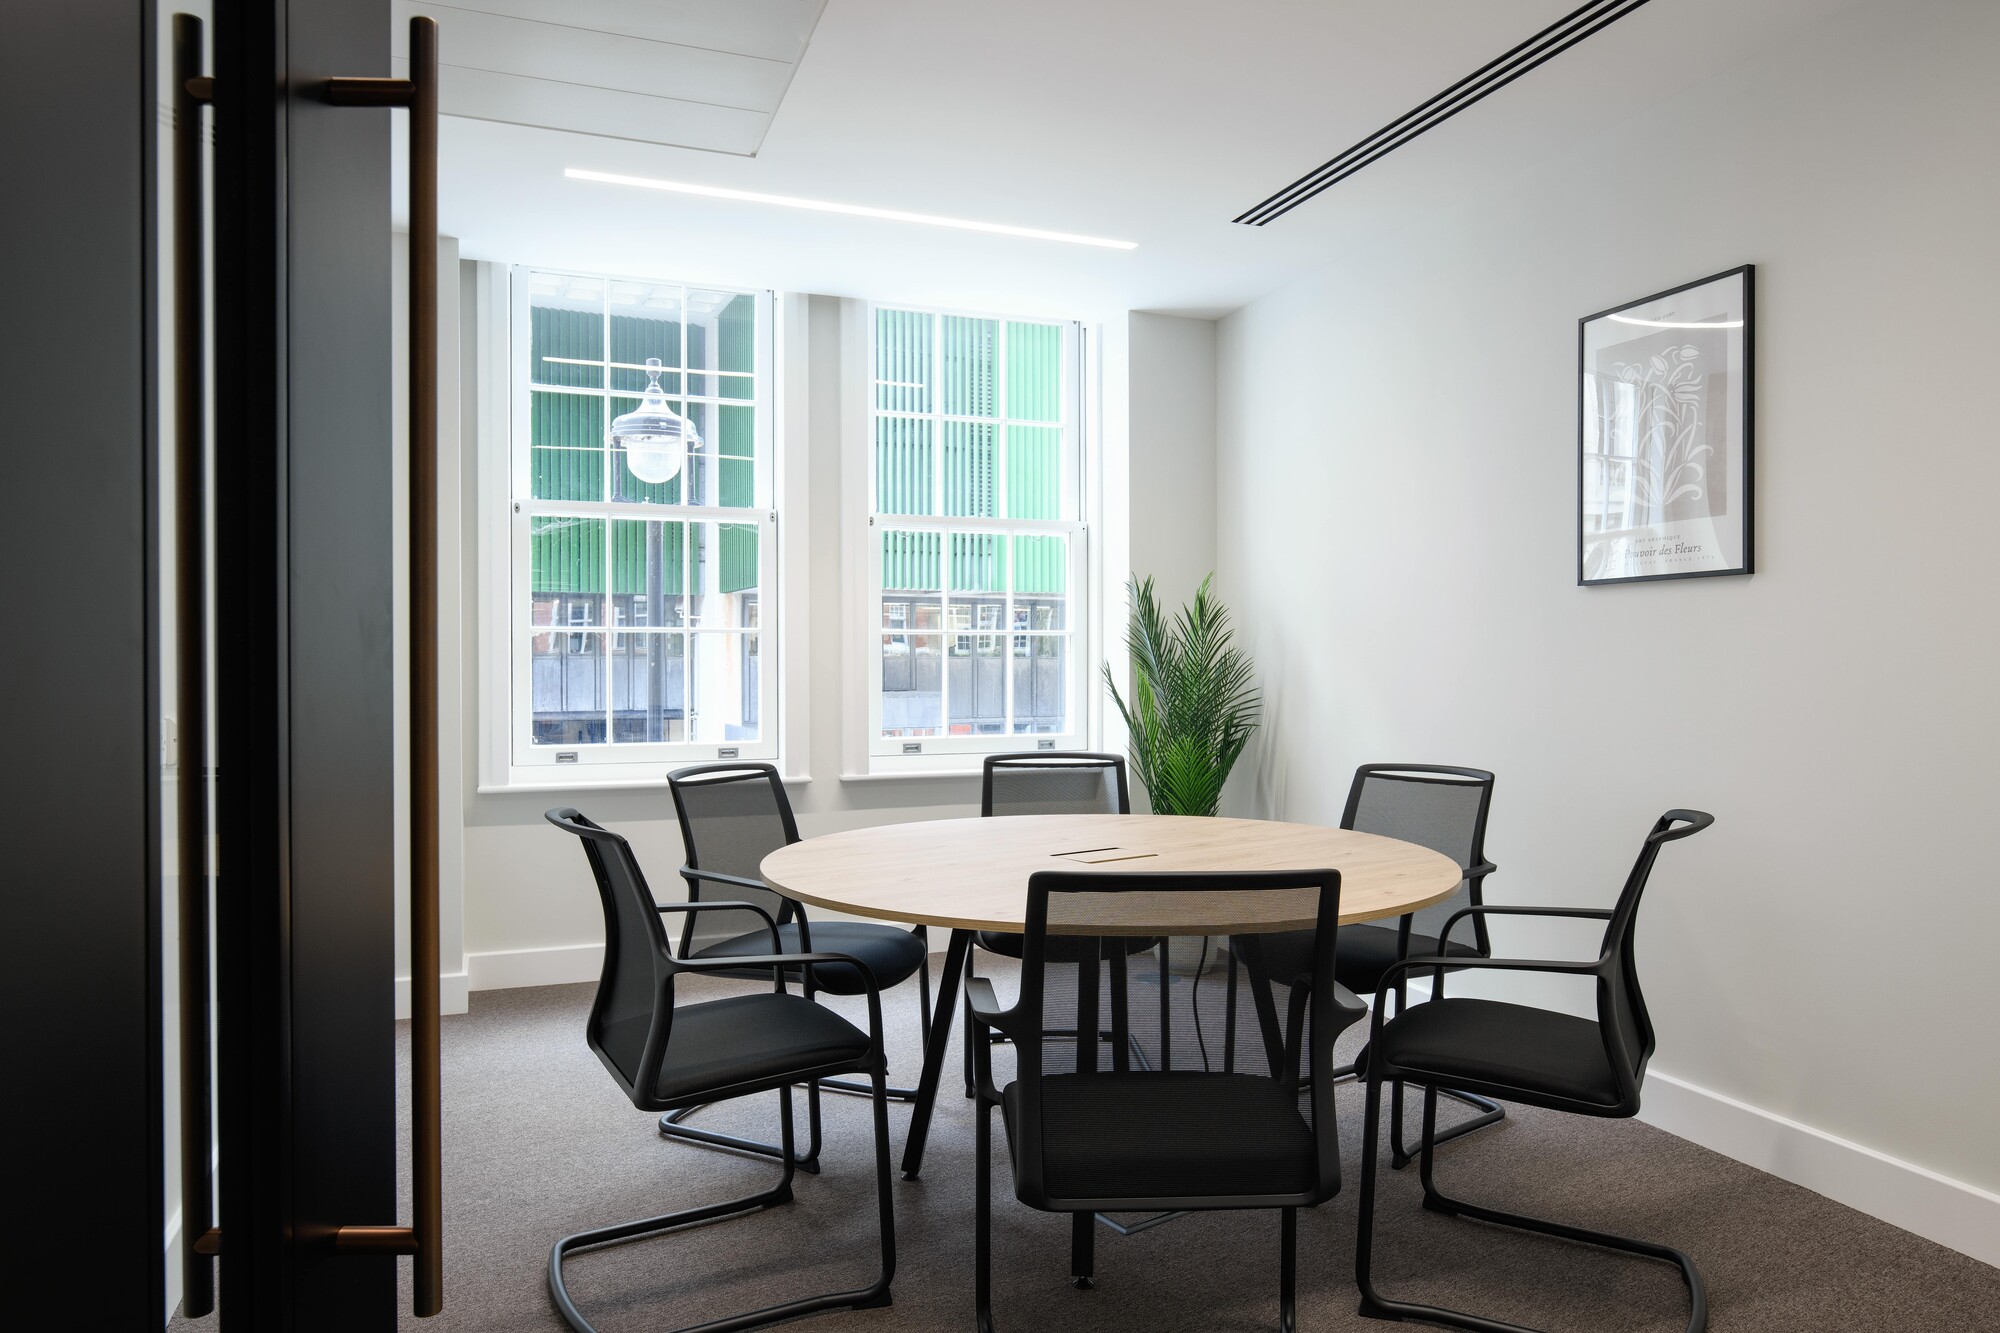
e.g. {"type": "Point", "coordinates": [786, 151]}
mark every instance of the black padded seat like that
{"type": "Point", "coordinates": [1060, 948]}
{"type": "Point", "coordinates": [891, 953]}
{"type": "Point", "coordinates": [746, 1038]}
{"type": "Point", "coordinates": [1166, 1135]}
{"type": "Point", "coordinates": [1537, 1051]}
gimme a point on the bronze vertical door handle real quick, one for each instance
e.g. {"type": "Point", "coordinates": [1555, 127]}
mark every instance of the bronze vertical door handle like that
{"type": "Point", "coordinates": [188, 94]}
{"type": "Point", "coordinates": [424, 1238]}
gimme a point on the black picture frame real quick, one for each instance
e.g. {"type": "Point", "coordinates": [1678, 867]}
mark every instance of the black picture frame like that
{"type": "Point", "coordinates": [1677, 446]}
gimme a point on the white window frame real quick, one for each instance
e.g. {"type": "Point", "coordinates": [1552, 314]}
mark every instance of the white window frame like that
{"type": "Point", "coordinates": [509, 761]}
{"type": "Point", "coordinates": [867, 753]}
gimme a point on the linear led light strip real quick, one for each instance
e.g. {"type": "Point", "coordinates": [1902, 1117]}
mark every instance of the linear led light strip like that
{"type": "Point", "coordinates": [854, 210]}
{"type": "Point", "coordinates": [1496, 74]}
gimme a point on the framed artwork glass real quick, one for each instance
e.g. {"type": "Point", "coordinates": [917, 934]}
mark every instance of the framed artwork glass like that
{"type": "Point", "coordinates": [1663, 434]}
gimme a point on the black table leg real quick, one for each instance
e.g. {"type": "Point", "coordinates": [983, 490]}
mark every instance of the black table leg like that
{"type": "Point", "coordinates": [935, 1042]}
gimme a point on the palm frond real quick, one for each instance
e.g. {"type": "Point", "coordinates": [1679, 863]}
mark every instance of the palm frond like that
{"type": "Point", "coordinates": [1194, 701]}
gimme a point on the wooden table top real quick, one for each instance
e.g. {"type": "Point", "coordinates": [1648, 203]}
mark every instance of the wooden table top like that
{"type": "Point", "coordinates": [972, 874]}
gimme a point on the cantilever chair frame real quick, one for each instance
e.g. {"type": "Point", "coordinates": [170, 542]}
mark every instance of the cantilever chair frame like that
{"type": "Point", "coordinates": [792, 911]}
{"type": "Point", "coordinates": [1332, 1011]}
{"type": "Point", "coordinates": [653, 1054]}
{"type": "Point", "coordinates": [1613, 968]}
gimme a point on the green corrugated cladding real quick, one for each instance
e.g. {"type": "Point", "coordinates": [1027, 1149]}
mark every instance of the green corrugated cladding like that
{"type": "Point", "coordinates": [566, 554]}
{"type": "Point", "coordinates": [736, 437]}
{"type": "Point", "coordinates": [968, 350]}
{"type": "Point", "coordinates": [1034, 372]}
{"type": "Point", "coordinates": [567, 433]}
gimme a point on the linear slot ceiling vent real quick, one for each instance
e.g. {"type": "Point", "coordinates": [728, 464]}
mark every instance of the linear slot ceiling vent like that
{"type": "Point", "coordinates": [1489, 78]}
{"type": "Point", "coordinates": [705, 74]}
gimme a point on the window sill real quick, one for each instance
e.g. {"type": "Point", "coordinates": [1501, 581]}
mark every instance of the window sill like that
{"type": "Point", "coordinates": [603, 784]}
{"type": "Point", "coordinates": [914, 775]}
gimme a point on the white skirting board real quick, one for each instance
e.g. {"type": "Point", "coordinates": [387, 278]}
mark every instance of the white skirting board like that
{"type": "Point", "coordinates": [1936, 1207]}
{"type": "Point", "coordinates": [452, 990]}
{"type": "Point", "coordinates": [555, 966]}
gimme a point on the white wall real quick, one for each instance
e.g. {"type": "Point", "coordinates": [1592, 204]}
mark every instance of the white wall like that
{"type": "Point", "coordinates": [1397, 492]}
{"type": "Point", "coordinates": [530, 913]}
{"type": "Point", "coordinates": [1159, 471]}
{"type": "Point", "coordinates": [1172, 422]}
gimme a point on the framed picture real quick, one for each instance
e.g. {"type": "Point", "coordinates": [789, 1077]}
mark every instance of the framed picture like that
{"type": "Point", "coordinates": [1663, 434]}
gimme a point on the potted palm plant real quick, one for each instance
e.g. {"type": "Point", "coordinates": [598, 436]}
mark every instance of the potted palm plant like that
{"type": "Point", "coordinates": [1194, 700]}
{"type": "Point", "coordinates": [1194, 705]}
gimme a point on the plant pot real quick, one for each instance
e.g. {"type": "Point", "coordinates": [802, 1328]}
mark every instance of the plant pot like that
{"type": "Point", "coordinates": [1184, 953]}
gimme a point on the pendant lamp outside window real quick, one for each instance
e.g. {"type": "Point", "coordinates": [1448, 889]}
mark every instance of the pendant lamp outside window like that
{"type": "Point", "coordinates": [654, 438]}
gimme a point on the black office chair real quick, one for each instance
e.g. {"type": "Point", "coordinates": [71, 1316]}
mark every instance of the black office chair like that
{"type": "Point", "coordinates": [1053, 782]}
{"type": "Point", "coordinates": [1062, 782]}
{"type": "Point", "coordinates": [1087, 1140]}
{"type": "Point", "coordinates": [1434, 806]}
{"type": "Point", "coordinates": [732, 816]}
{"type": "Point", "coordinates": [666, 1056]}
{"type": "Point", "coordinates": [1522, 1054]}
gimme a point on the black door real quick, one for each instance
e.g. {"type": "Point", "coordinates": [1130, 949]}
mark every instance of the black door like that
{"type": "Point", "coordinates": [305, 1090]}
{"type": "Point", "coordinates": [264, 350]}
{"type": "Point", "coordinates": [79, 863]}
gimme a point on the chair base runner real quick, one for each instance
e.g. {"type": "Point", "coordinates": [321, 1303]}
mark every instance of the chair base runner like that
{"type": "Point", "coordinates": [672, 1128]}
{"type": "Point", "coordinates": [1146, 1223]}
{"type": "Point", "coordinates": [1375, 1306]}
{"type": "Point", "coordinates": [870, 1297]}
{"type": "Point", "coordinates": [1491, 1113]}
{"type": "Point", "coordinates": [873, 1296]}
{"type": "Point", "coordinates": [863, 1090]}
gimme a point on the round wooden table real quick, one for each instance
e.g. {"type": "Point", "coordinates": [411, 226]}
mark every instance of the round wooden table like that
{"type": "Point", "coordinates": [972, 874]}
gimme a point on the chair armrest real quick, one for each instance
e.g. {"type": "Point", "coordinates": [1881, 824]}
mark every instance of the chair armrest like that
{"type": "Point", "coordinates": [770, 925]}
{"type": "Point", "coordinates": [1500, 964]}
{"type": "Point", "coordinates": [982, 1010]}
{"type": "Point", "coordinates": [778, 962]}
{"type": "Point", "coordinates": [1495, 909]}
{"type": "Point", "coordinates": [984, 1005]}
{"type": "Point", "coordinates": [1469, 963]}
{"type": "Point", "coordinates": [1348, 1010]}
{"type": "Point", "coordinates": [1480, 871]}
{"type": "Point", "coordinates": [717, 877]}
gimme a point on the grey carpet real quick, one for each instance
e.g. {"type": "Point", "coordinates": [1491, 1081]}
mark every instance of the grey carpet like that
{"type": "Point", "coordinates": [539, 1142]}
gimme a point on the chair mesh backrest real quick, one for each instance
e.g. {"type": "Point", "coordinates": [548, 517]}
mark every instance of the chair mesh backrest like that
{"type": "Point", "coordinates": [1445, 812]}
{"type": "Point", "coordinates": [1625, 1004]}
{"type": "Point", "coordinates": [1055, 784]}
{"type": "Point", "coordinates": [635, 977]}
{"type": "Point", "coordinates": [731, 820]}
{"type": "Point", "coordinates": [1194, 1030]}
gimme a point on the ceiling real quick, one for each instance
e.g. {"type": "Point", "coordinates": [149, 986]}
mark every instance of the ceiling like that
{"type": "Point", "coordinates": [1154, 121]}
{"type": "Point", "coordinates": [707, 74]}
